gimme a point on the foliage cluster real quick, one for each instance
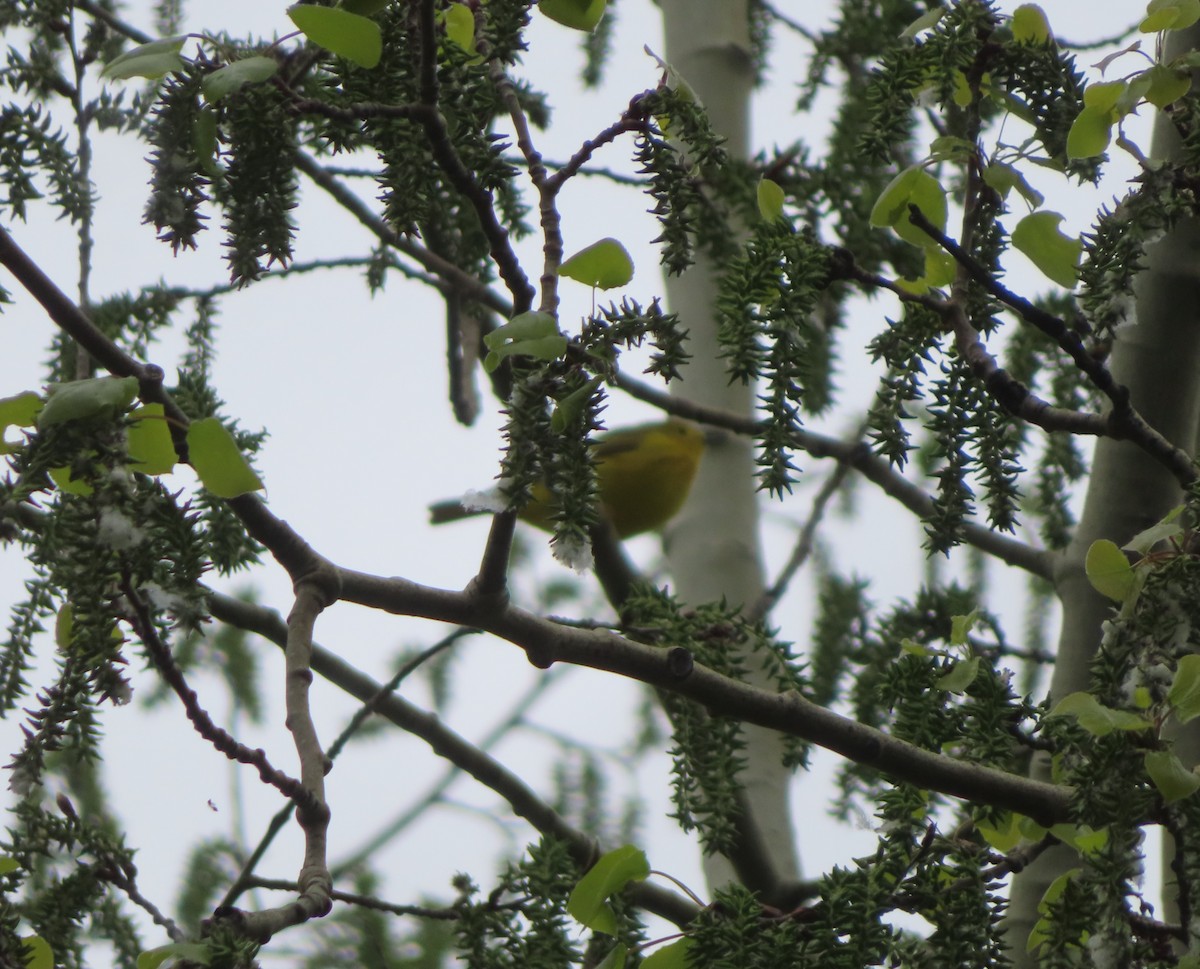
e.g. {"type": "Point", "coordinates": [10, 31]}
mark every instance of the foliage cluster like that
{"type": "Point", "coordinates": [422, 101]}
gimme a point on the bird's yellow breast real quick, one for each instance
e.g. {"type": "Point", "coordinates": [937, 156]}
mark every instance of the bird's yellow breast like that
{"type": "Point", "coordinates": [643, 474]}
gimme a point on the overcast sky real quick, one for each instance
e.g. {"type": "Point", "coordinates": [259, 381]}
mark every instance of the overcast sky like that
{"type": "Point", "coordinates": [352, 390]}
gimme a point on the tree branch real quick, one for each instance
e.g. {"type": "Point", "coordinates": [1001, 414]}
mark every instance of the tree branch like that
{"type": "Point", "coordinates": [444, 269]}
{"type": "Point", "coordinates": [453, 748]}
{"type": "Point", "coordinates": [1123, 422]}
{"type": "Point", "coordinates": [862, 459]}
{"type": "Point", "coordinates": [546, 642]}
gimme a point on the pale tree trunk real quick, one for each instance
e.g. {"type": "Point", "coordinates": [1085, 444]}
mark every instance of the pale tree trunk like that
{"type": "Point", "coordinates": [1158, 359]}
{"type": "Point", "coordinates": [713, 545]}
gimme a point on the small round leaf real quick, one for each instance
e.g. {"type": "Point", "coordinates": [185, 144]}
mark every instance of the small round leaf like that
{"type": "Point", "coordinates": [576, 14]}
{"type": "Point", "coordinates": [1055, 254]}
{"type": "Point", "coordinates": [218, 461]}
{"type": "Point", "coordinates": [588, 903]}
{"type": "Point", "coordinates": [1029, 24]}
{"type": "Point", "coordinates": [770, 199]}
{"type": "Point", "coordinates": [605, 264]}
{"type": "Point", "coordinates": [86, 399]}
{"type": "Point", "coordinates": [231, 77]}
{"type": "Point", "coordinates": [1173, 780]}
{"type": "Point", "coordinates": [358, 39]}
{"type": "Point", "coordinates": [149, 441]}
{"type": "Point", "coordinates": [153, 60]}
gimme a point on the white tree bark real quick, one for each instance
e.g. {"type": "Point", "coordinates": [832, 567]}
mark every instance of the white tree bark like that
{"type": "Point", "coordinates": [713, 545]}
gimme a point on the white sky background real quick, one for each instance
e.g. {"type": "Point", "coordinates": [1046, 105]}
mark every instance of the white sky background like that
{"type": "Point", "coordinates": [352, 390]}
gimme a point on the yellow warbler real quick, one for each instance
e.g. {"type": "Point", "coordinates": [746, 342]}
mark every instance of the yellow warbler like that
{"type": "Point", "coordinates": [643, 473]}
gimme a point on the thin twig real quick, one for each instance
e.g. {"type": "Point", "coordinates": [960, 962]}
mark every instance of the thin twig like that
{"type": "Point", "coordinates": [143, 624]}
{"type": "Point", "coordinates": [863, 460]}
{"type": "Point", "coordinates": [1123, 422]}
{"type": "Point", "coordinates": [491, 581]}
{"type": "Point", "coordinates": [574, 165]}
{"type": "Point", "coordinates": [367, 901]}
{"type": "Point", "coordinates": [804, 544]}
{"type": "Point", "coordinates": [548, 217]}
{"type": "Point", "coordinates": [437, 790]}
{"type": "Point", "coordinates": [444, 269]}
{"type": "Point", "coordinates": [448, 160]}
{"type": "Point", "coordinates": [788, 22]}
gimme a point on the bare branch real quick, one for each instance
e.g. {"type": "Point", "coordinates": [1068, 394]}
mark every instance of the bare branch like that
{"type": "Point", "coordinates": [458, 751]}
{"type": "Point", "coordinates": [545, 642]}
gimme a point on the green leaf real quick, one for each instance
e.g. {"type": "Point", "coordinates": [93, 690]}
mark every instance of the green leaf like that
{"type": "Point", "coordinates": [961, 626]}
{"type": "Point", "coordinates": [673, 956]}
{"type": "Point", "coordinates": [1167, 85]}
{"type": "Point", "coordinates": [604, 264]}
{"type": "Point", "coordinates": [1095, 718]}
{"type": "Point", "coordinates": [674, 80]}
{"type": "Point", "coordinates": [153, 60]}
{"type": "Point", "coordinates": [1082, 837]}
{"type": "Point", "coordinates": [588, 903]}
{"type": "Point", "coordinates": [8, 865]}
{"type": "Point", "coordinates": [914, 648]}
{"type": "Point", "coordinates": [204, 141]}
{"type": "Point", "coordinates": [1005, 835]}
{"type": "Point", "coordinates": [1104, 96]}
{"type": "Point", "coordinates": [1041, 930]}
{"type": "Point", "coordinates": [770, 199]}
{"type": "Point", "coordinates": [1169, 15]}
{"type": "Point", "coordinates": [358, 39]}
{"type": "Point", "coordinates": [1108, 570]}
{"type": "Point", "coordinates": [962, 93]}
{"type": "Point", "coordinates": [225, 80]}
{"type": "Point", "coordinates": [1030, 829]}
{"type": "Point", "coordinates": [961, 675]}
{"type": "Point", "coordinates": [38, 954]}
{"type": "Point", "coordinates": [221, 466]}
{"type": "Point", "coordinates": [1090, 133]}
{"type": "Point", "coordinates": [1173, 780]}
{"type": "Point", "coordinates": [531, 334]}
{"type": "Point", "coordinates": [1184, 695]}
{"type": "Point", "coordinates": [1163, 530]}
{"type": "Point", "coordinates": [149, 441]}
{"type": "Point", "coordinates": [460, 26]}
{"type": "Point", "coordinates": [73, 486]}
{"type": "Point", "coordinates": [96, 397]}
{"type": "Point", "coordinates": [1055, 254]}
{"type": "Point", "coordinates": [1029, 24]}
{"type": "Point", "coordinates": [20, 410]}
{"type": "Point", "coordinates": [913, 186]}
{"type": "Point", "coordinates": [191, 951]}
{"type": "Point", "coordinates": [576, 14]}
{"type": "Point", "coordinates": [64, 626]}
{"type": "Point", "coordinates": [940, 268]}
{"type": "Point", "coordinates": [567, 410]}
{"type": "Point", "coordinates": [615, 958]}
{"type": "Point", "coordinates": [1004, 178]}
{"type": "Point", "coordinates": [1055, 889]}
{"type": "Point", "coordinates": [923, 22]}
